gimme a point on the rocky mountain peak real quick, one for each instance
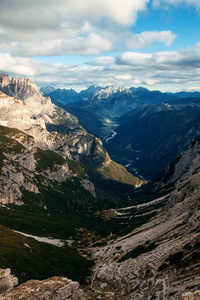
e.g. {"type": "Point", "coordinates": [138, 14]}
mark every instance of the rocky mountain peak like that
{"type": "Point", "coordinates": [17, 87]}
{"type": "Point", "coordinates": [110, 90]}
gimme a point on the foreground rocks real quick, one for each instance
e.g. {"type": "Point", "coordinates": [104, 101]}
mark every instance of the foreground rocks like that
{"type": "Point", "coordinates": [55, 288]}
{"type": "Point", "coordinates": [191, 296]}
{"type": "Point", "coordinates": [7, 281]}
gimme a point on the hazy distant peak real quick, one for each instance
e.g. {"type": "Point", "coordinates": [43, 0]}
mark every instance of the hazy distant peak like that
{"type": "Point", "coordinates": [47, 89]}
{"type": "Point", "coordinates": [109, 90]}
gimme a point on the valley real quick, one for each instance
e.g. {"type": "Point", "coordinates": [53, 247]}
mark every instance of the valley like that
{"type": "Point", "coordinates": [100, 187]}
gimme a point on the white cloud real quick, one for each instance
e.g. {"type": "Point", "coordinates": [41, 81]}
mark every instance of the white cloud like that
{"type": "Point", "coordinates": [194, 89]}
{"type": "Point", "coordinates": [135, 59]}
{"type": "Point", "coordinates": [16, 66]}
{"type": "Point", "coordinates": [176, 69]}
{"type": "Point", "coordinates": [167, 37]}
{"type": "Point", "coordinates": [124, 77]}
{"type": "Point", "coordinates": [102, 61]}
{"type": "Point", "coordinates": [187, 58]}
{"type": "Point", "coordinates": [53, 13]}
{"type": "Point", "coordinates": [137, 81]}
{"type": "Point", "coordinates": [92, 44]}
{"type": "Point", "coordinates": [147, 38]}
{"type": "Point", "coordinates": [55, 27]}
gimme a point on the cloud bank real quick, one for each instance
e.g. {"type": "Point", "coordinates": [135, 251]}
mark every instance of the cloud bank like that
{"type": "Point", "coordinates": [104, 33]}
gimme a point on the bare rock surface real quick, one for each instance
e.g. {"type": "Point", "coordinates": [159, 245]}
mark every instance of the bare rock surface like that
{"type": "Point", "coordinates": [191, 296]}
{"type": "Point", "coordinates": [24, 107]}
{"type": "Point", "coordinates": [55, 288]}
{"type": "Point", "coordinates": [7, 281]}
{"type": "Point", "coordinates": [160, 259]}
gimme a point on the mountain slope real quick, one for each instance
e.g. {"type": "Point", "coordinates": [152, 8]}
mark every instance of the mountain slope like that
{"type": "Point", "coordinates": [160, 259]}
{"type": "Point", "coordinates": [51, 150]}
{"type": "Point", "coordinates": [156, 138]}
{"type": "Point", "coordinates": [30, 259]}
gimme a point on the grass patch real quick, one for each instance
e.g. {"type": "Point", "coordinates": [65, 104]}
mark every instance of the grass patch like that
{"type": "Point", "coordinates": [76, 168]}
{"type": "Point", "coordinates": [47, 159]}
{"type": "Point", "coordinates": [29, 259]}
{"type": "Point", "coordinates": [118, 173]}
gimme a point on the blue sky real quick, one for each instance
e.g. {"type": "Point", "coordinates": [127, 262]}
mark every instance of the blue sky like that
{"type": "Point", "coordinates": [78, 43]}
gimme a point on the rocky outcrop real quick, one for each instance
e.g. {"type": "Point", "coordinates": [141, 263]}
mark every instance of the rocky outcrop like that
{"type": "Point", "coordinates": [55, 288]}
{"type": "Point", "coordinates": [191, 296]}
{"type": "Point", "coordinates": [184, 166]}
{"type": "Point", "coordinates": [19, 166]}
{"type": "Point", "coordinates": [59, 174]}
{"type": "Point", "coordinates": [89, 186]}
{"type": "Point", "coordinates": [17, 87]}
{"type": "Point", "coordinates": [7, 281]}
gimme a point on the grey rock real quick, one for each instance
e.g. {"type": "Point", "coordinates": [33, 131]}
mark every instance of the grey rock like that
{"type": "Point", "coordinates": [55, 288]}
{"type": "Point", "coordinates": [89, 186]}
{"type": "Point", "coordinates": [7, 281]}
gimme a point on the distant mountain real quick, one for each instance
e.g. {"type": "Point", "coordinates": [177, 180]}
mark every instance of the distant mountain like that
{"type": "Point", "coordinates": [99, 108]}
{"type": "Point", "coordinates": [171, 105]}
{"type": "Point", "coordinates": [64, 96]}
{"type": "Point", "coordinates": [145, 118]}
{"type": "Point", "coordinates": [116, 99]}
{"type": "Point", "coordinates": [151, 139]}
{"type": "Point", "coordinates": [185, 94]}
{"type": "Point", "coordinates": [47, 89]}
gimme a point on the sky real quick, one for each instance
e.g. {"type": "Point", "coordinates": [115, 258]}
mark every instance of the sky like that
{"type": "Point", "coordinates": [79, 43]}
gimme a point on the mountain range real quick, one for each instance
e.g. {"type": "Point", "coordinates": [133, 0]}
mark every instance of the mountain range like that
{"type": "Point", "coordinates": [70, 209]}
{"type": "Point", "coordinates": [150, 128]}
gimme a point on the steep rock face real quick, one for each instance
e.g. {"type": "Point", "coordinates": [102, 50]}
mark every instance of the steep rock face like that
{"type": "Point", "coordinates": [33, 112]}
{"type": "Point", "coordinates": [19, 165]}
{"type": "Point", "coordinates": [184, 166]}
{"type": "Point", "coordinates": [55, 288]}
{"type": "Point", "coordinates": [7, 281]}
{"type": "Point", "coordinates": [24, 166]}
{"type": "Point", "coordinates": [17, 87]}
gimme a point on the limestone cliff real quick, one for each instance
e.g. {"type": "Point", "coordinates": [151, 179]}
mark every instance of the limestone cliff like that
{"type": "Point", "coordinates": [17, 87]}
